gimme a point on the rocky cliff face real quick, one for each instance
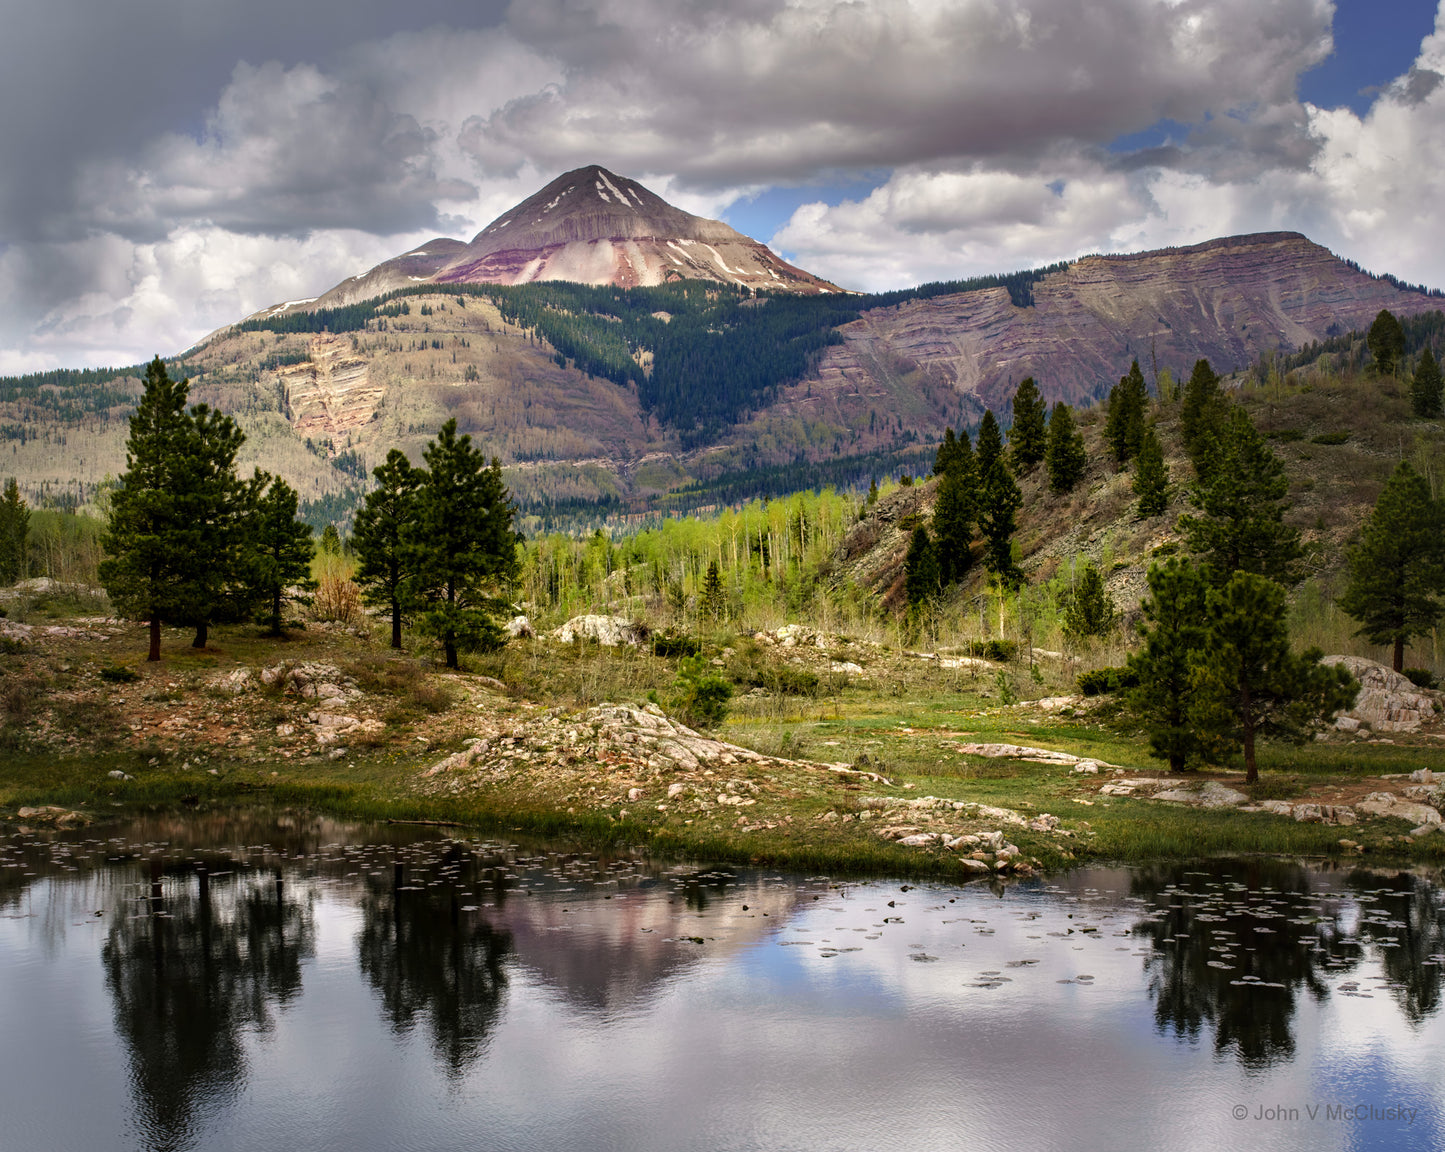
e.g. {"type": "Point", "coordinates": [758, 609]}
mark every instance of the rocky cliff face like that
{"type": "Point", "coordinates": [332, 392]}
{"type": "Point", "coordinates": [1227, 301]}
{"type": "Point", "coordinates": [590, 226]}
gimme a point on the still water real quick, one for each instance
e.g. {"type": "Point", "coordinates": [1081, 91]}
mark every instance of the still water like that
{"type": "Point", "coordinates": [255, 984]}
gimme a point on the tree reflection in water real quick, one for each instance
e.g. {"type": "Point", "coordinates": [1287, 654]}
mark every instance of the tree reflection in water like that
{"type": "Point", "coordinates": [188, 967]}
{"type": "Point", "coordinates": [425, 957]}
{"type": "Point", "coordinates": [1236, 946]}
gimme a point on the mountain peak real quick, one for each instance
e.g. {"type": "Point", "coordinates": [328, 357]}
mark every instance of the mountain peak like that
{"type": "Point", "coordinates": [592, 226]}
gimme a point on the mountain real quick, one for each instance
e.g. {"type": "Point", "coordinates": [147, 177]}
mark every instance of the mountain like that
{"type": "Point", "coordinates": [589, 226]}
{"type": "Point", "coordinates": [1229, 301]}
{"type": "Point", "coordinates": [609, 400]}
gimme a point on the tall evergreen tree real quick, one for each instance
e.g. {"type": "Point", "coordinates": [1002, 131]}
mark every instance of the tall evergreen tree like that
{"type": "Point", "coordinates": [953, 515]}
{"type": "Point", "coordinates": [279, 551]}
{"type": "Point", "coordinates": [1089, 611]}
{"type": "Point", "coordinates": [379, 534]}
{"type": "Point", "coordinates": [1174, 634]}
{"type": "Point", "coordinates": [1151, 475]}
{"type": "Point", "coordinates": [1202, 415]}
{"type": "Point", "coordinates": [1027, 437]}
{"type": "Point", "coordinates": [1427, 387]}
{"type": "Point", "coordinates": [150, 541]}
{"type": "Point", "coordinates": [1065, 456]}
{"type": "Point", "coordinates": [14, 533]}
{"type": "Point", "coordinates": [463, 545]}
{"type": "Point", "coordinates": [219, 508]}
{"type": "Point", "coordinates": [1397, 572]}
{"type": "Point", "coordinates": [1248, 680]}
{"type": "Point", "coordinates": [998, 505]}
{"type": "Point", "coordinates": [989, 445]}
{"type": "Point", "coordinates": [920, 569]}
{"type": "Point", "coordinates": [1124, 426]}
{"type": "Point", "coordinates": [714, 599]}
{"type": "Point", "coordinates": [947, 453]}
{"type": "Point", "coordinates": [1242, 503]}
{"type": "Point", "coordinates": [1386, 340]}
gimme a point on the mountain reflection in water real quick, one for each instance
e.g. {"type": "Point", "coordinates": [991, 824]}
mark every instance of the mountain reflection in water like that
{"type": "Point", "coordinates": [260, 971]}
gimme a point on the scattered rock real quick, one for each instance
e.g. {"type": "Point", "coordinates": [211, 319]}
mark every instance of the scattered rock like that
{"type": "Point", "coordinates": [1387, 702]}
{"type": "Point", "coordinates": [519, 628]}
{"type": "Point", "coordinates": [609, 631]}
{"type": "Point", "coordinates": [234, 682]}
{"type": "Point", "coordinates": [1034, 755]}
{"type": "Point", "coordinates": [1388, 804]}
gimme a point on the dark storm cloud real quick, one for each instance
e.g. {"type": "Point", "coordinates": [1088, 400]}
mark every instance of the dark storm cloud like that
{"type": "Point", "coordinates": [767, 91]}
{"type": "Point", "coordinates": [83, 83]}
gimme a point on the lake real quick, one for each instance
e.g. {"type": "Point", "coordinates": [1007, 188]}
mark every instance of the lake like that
{"type": "Point", "coordinates": [258, 982]}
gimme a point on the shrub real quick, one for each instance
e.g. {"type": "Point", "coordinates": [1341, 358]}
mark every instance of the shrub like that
{"type": "Point", "coordinates": [1286, 435]}
{"type": "Point", "coordinates": [673, 645]}
{"type": "Point", "coordinates": [1330, 438]}
{"type": "Point", "coordinates": [1001, 651]}
{"type": "Point", "coordinates": [1422, 677]}
{"type": "Point", "coordinates": [337, 598]}
{"type": "Point", "coordinates": [1106, 681]}
{"type": "Point", "coordinates": [119, 674]}
{"type": "Point", "coordinates": [702, 695]}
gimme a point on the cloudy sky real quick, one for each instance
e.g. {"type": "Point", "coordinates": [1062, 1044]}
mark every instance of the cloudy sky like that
{"type": "Point", "coordinates": [167, 166]}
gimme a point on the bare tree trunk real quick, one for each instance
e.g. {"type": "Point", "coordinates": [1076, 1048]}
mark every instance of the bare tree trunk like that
{"type": "Point", "coordinates": [1251, 769]}
{"type": "Point", "coordinates": [155, 652]}
{"type": "Point", "coordinates": [203, 631]}
{"type": "Point", "coordinates": [395, 624]}
{"type": "Point", "coordinates": [1399, 664]}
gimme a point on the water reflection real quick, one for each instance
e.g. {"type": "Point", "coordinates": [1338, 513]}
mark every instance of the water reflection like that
{"type": "Point", "coordinates": [1236, 947]}
{"type": "Point", "coordinates": [197, 958]}
{"type": "Point", "coordinates": [427, 959]}
{"type": "Point", "coordinates": [620, 993]}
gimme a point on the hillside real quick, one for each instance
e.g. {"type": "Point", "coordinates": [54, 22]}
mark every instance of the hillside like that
{"type": "Point", "coordinates": [608, 402]}
{"type": "Point", "coordinates": [1338, 429]}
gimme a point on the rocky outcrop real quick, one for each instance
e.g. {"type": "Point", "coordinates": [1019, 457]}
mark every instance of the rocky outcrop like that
{"type": "Point", "coordinates": [609, 631]}
{"type": "Point", "coordinates": [332, 392]}
{"type": "Point", "coordinates": [1226, 301]}
{"type": "Point", "coordinates": [1387, 701]}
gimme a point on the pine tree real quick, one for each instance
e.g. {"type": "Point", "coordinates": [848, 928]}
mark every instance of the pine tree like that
{"type": "Point", "coordinates": [1174, 634]}
{"type": "Point", "coordinates": [1397, 572]}
{"type": "Point", "coordinates": [218, 505]}
{"type": "Point", "coordinates": [1028, 436]}
{"type": "Point", "coordinates": [1427, 388]}
{"type": "Point", "coordinates": [947, 453]}
{"type": "Point", "coordinates": [279, 551]}
{"type": "Point", "coordinates": [1242, 504]}
{"type": "Point", "coordinates": [1386, 340]}
{"type": "Point", "coordinates": [920, 570]}
{"type": "Point", "coordinates": [1202, 415]}
{"type": "Point", "coordinates": [150, 541]}
{"type": "Point", "coordinates": [330, 541]}
{"type": "Point", "coordinates": [953, 515]}
{"type": "Point", "coordinates": [714, 598]}
{"type": "Point", "coordinates": [1065, 457]}
{"type": "Point", "coordinates": [1124, 426]}
{"type": "Point", "coordinates": [463, 546]}
{"type": "Point", "coordinates": [14, 534]}
{"type": "Point", "coordinates": [1248, 681]}
{"type": "Point", "coordinates": [378, 536]}
{"type": "Point", "coordinates": [1088, 610]}
{"type": "Point", "coordinates": [989, 445]}
{"type": "Point", "coordinates": [1151, 476]}
{"type": "Point", "coordinates": [872, 492]}
{"type": "Point", "coordinates": [998, 504]}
